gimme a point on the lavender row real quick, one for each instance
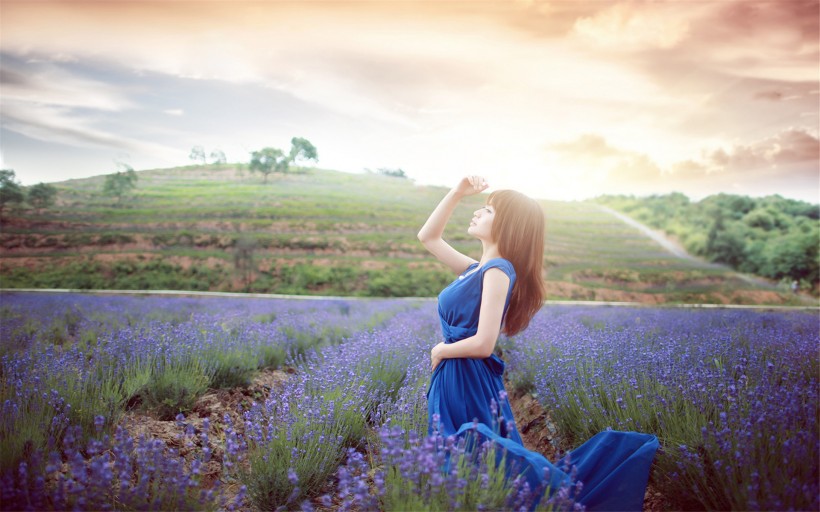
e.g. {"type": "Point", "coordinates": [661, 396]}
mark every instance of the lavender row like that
{"type": "Point", "coordinates": [302, 446]}
{"type": "Point", "coordinates": [731, 394]}
{"type": "Point", "coordinates": [340, 394]}
{"type": "Point", "coordinates": [162, 350]}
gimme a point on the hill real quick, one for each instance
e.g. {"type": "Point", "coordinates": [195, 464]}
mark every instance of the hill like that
{"type": "Point", "coordinates": [772, 236]}
{"type": "Point", "coordinates": [324, 232]}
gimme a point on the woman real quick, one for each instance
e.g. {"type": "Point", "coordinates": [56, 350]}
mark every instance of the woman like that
{"type": "Point", "coordinates": [501, 293]}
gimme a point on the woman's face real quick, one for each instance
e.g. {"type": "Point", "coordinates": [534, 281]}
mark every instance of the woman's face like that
{"type": "Point", "coordinates": [481, 224]}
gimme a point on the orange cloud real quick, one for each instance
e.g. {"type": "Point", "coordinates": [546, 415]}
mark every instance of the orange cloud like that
{"type": "Point", "coordinates": [789, 156]}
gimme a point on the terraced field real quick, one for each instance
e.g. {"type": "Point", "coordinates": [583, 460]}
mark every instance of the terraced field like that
{"type": "Point", "coordinates": [322, 232]}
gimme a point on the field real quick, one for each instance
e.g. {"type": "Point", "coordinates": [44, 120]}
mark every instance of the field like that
{"type": "Point", "coordinates": [174, 402]}
{"type": "Point", "coordinates": [322, 232]}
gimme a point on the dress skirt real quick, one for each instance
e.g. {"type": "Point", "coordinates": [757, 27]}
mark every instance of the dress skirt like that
{"type": "Point", "coordinates": [467, 398]}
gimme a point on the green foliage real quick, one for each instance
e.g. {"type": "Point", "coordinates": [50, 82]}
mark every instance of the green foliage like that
{"type": "Point", "coordinates": [271, 356]}
{"type": "Point", "coordinates": [268, 160]}
{"type": "Point", "coordinates": [197, 154]}
{"type": "Point", "coordinates": [309, 449]}
{"type": "Point", "coordinates": [174, 388]}
{"type": "Point", "coordinates": [218, 157]}
{"type": "Point", "coordinates": [153, 274]}
{"type": "Point", "coordinates": [302, 149]}
{"type": "Point", "coordinates": [243, 260]}
{"type": "Point", "coordinates": [771, 236]}
{"type": "Point", "coordinates": [404, 282]}
{"type": "Point", "coordinates": [492, 493]}
{"type": "Point", "coordinates": [334, 233]}
{"type": "Point", "coordinates": [395, 173]}
{"type": "Point", "coordinates": [11, 193]}
{"type": "Point", "coordinates": [120, 184]}
{"type": "Point", "coordinates": [229, 369]}
{"type": "Point", "coordinates": [42, 196]}
{"type": "Point", "coordinates": [81, 398]}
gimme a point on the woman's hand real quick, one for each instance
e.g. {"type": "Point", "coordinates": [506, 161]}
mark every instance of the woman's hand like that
{"type": "Point", "coordinates": [470, 185]}
{"type": "Point", "coordinates": [436, 356]}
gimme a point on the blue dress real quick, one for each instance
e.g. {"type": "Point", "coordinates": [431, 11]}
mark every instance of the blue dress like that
{"type": "Point", "coordinates": [463, 398]}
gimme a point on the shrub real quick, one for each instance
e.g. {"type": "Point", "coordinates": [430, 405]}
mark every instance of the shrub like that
{"type": "Point", "coordinates": [231, 368]}
{"type": "Point", "coordinates": [174, 387]}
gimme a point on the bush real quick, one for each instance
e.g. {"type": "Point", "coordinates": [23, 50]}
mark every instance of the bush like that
{"type": "Point", "coordinates": [230, 369]}
{"type": "Point", "coordinates": [174, 388]}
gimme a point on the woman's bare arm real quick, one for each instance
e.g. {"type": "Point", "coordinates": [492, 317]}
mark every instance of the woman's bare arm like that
{"type": "Point", "coordinates": [482, 344]}
{"type": "Point", "coordinates": [431, 233]}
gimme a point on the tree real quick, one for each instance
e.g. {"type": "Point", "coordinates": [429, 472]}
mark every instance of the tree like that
{"type": "Point", "coordinates": [302, 149]}
{"type": "Point", "coordinates": [394, 173]}
{"type": "Point", "coordinates": [10, 191]}
{"type": "Point", "coordinates": [726, 242]}
{"type": "Point", "coordinates": [42, 196]}
{"type": "Point", "coordinates": [120, 183]}
{"type": "Point", "coordinates": [268, 160]}
{"type": "Point", "coordinates": [218, 157]}
{"type": "Point", "coordinates": [197, 154]}
{"type": "Point", "coordinates": [243, 259]}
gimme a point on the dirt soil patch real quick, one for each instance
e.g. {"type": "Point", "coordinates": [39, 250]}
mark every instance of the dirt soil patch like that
{"type": "Point", "coordinates": [213, 405]}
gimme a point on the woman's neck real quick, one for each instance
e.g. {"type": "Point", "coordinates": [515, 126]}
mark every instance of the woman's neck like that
{"type": "Point", "coordinates": [490, 251]}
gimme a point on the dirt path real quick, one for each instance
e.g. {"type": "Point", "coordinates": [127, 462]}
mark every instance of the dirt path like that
{"type": "Point", "coordinates": [680, 252]}
{"type": "Point", "coordinates": [657, 236]}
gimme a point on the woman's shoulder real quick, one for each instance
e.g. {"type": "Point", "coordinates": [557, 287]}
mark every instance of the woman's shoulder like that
{"type": "Point", "coordinates": [500, 263]}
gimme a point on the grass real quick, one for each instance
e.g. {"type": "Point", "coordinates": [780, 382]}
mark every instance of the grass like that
{"type": "Point", "coordinates": [322, 232]}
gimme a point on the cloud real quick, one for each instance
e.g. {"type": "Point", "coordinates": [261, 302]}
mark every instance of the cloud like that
{"type": "Point", "coordinates": [785, 148]}
{"type": "Point", "coordinates": [597, 167]}
{"type": "Point", "coordinates": [11, 78]}
{"type": "Point", "coordinates": [791, 156]}
{"type": "Point", "coordinates": [636, 26]}
{"type": "Point", "coordinates": [647, 84]}
{"type": "Point", "coordinates": [57, 124]}
{"type": "Point", "coordinates": [49, 84]}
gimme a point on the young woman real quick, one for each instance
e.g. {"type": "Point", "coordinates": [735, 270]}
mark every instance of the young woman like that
{"type": "Point", "coordinates": [501, 293]}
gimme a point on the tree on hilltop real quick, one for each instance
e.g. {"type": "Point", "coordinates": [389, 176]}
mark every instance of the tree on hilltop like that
{"type": "Point", "coordinates": [120, 183]}
{"type": "Point", "coordinates": [268, 160]}
{"type": "Point", "coordinates": [393, 173]}
{"type": "Point", "coordinates": [198, 154]}
{"type": "Point", "coordinates": [218, 157]}
{"type": "Point", "coordinates": [42, 196]}
{"type": "Point", "coordinates": [11, 193]}
{"type": "Point", "coordinates": [302, 149]}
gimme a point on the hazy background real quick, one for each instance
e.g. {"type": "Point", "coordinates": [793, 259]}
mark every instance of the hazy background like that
{"type": "Point", "coordinates": [563, 99]}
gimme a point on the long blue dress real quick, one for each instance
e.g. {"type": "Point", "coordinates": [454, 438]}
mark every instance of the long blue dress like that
{"type": "Point", "coordinates": [613, 466]}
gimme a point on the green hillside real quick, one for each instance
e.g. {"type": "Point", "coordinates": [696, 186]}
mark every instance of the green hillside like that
{"type": "Point", "coordinates": [322, 232]}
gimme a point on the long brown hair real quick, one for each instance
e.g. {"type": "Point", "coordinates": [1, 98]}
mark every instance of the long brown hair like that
{"type": "Point", "coordinates": [518, 229]}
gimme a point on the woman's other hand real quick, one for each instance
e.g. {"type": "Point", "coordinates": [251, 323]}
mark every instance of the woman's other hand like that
{"type": "Point", "coordinates": [471, 185]}
{"type": "Point", "coordinates": [435, 356]}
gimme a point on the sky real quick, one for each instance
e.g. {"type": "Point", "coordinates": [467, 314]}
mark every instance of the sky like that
{"type": "Point", "coordinates": [559, 99]}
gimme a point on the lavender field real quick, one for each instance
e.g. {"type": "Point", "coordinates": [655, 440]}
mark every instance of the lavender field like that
{"type": "Point", "coordinates": [115, 402]}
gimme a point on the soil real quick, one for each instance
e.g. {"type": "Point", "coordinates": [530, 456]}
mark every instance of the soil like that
{"type": "Point", "coordinates": [213, 405]}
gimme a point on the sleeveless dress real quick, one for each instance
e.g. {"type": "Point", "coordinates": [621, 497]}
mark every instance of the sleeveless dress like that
{"type": "Point", "coordinates": [466, 398]}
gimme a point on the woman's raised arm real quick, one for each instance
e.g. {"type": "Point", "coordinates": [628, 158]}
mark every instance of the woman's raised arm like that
{"type": "Point", "coordinates": [430, 234]}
